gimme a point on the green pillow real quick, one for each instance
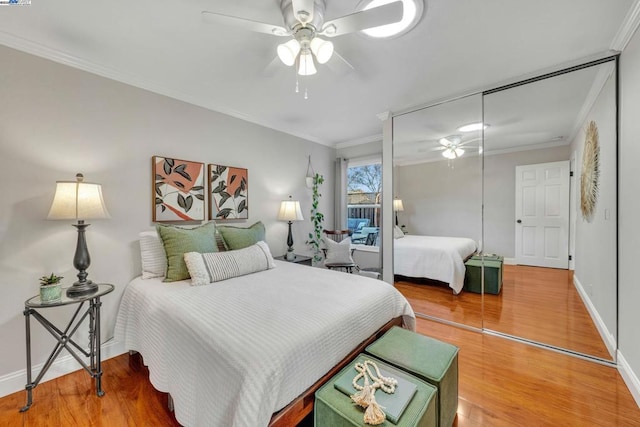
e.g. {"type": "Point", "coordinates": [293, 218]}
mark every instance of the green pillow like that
{"type": "Point", "coordinates": [240, 238]}
{"type": "Point", "coordinates": [177, 241]}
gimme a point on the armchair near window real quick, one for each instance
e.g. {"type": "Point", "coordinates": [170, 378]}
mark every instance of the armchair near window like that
{"type": "Point", "coordinates": [338, 254]}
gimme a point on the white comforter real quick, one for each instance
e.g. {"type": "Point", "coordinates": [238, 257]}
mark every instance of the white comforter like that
{"type": "Point", "coordinates": [234, 352]}
{"type": "Point", "coordinates": [437, 258]}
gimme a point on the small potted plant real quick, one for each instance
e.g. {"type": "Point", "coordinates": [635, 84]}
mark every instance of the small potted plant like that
{"type": "Point", "coordinates": [50, 288]}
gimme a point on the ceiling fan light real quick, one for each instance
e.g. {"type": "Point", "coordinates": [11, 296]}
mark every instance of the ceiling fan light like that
{"type": "Point", "coordinates": [288, 51]}
{"type": "Point", "coordinates": [459, 152]}
{"type": "Point", "coordinates": [306, 66]}
{"type": "Point", "coordinates": [449, 154]}
{"type": "Point", "coordinates": [444, 142]}
{"type": "Point", "coordinates": [322, 49]}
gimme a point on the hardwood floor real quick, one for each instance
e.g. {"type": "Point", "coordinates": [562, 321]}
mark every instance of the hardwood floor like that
{"type": "Point", "coordinates": [501, 383]}
{"type": "Point", "coordinates": [539, 304]}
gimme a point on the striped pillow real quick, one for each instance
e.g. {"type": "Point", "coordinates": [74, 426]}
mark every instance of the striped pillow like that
{"type": "Point", "coordinates": [213, 267]}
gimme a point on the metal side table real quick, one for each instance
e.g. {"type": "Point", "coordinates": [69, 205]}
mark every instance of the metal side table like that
{"type": "Point", "coordinates": [31, 307]}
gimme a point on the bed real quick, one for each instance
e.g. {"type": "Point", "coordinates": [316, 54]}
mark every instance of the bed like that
{"type": "Point", "coordinates": [235, 352]}
{"type": "Point", "coordinates": [433, 257]}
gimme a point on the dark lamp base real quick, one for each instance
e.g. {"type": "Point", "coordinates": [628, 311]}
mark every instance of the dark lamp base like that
{"type": "Point", "coordinates": [81, 289]}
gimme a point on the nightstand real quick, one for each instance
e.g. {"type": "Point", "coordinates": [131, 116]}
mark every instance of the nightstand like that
{"type": "Point", "coordinates": [298, 259]}
{"type": "Point", "coordinates": [32, 307]}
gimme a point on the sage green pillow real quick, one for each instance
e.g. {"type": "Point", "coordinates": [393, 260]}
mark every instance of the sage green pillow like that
{"type": "Point", "coordinates": [240, 238]}
{"type": "Point", "coordinates": [177, 241]}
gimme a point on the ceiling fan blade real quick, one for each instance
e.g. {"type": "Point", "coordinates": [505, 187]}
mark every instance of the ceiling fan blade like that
{"type": "Point", "coordinates": [246, 24]}
{"type": "Point", "coordinates": [375, 17]}
{"type": "Point", "coordinates": [303, 10]}
{"type": "Point", "coordinates": [339, 65]}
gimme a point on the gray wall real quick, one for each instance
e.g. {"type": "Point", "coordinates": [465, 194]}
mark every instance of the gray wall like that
{"type": "Point", "coordinates": [629, 206]}
{"type": "Point", "coordinates": [595, 240]}
{"type": "Point", "coordinates": [500, 195]}
{"type": "Point", "coordinates": [441, 198]}
{"type": "Point", "coordinates": [57, 121]}
{"type": "Point", "coordinates": [443, 201]}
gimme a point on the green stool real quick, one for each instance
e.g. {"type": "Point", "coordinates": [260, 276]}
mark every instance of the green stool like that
{"type": "Point", "coordinates": [333, 408]}
{"type": "Point", "coordinates": [492, 275]}
{"type": "Point", "coordinates": [429, 359]}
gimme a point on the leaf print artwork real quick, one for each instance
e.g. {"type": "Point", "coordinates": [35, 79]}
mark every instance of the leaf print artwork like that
{"type": "Point", "coordinates": [228, 191]}
{"type": "Point", "coordinates": [178, 190]}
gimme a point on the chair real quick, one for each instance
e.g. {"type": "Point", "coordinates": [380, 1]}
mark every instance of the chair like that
{"type": "Point", "coordinates": [335, 257]}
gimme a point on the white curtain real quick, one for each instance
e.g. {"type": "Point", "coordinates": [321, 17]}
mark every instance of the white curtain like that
{"type": "Point", "coordinates": [340, 215]}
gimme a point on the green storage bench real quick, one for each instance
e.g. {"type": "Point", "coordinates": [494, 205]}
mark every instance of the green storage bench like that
{"type": "Point", "coordinates": [427, 358]}
{"type": "Point", "coordinates": [492, 274]}
{"type": "Point", "coordinates": [334, 408]}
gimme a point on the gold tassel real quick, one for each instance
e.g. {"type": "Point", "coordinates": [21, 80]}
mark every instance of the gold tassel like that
{"type": "Point", "coordinates": [374, 415]}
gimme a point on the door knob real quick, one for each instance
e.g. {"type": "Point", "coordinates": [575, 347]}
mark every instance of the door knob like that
{"type": "Point", "coordinates": [519, 221]}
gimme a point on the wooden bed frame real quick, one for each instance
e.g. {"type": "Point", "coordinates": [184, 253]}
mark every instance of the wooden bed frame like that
{"type": "Point", "coordinates": [301, 406]}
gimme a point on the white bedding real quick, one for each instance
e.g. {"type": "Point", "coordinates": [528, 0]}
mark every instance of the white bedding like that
{"type": "Point", "coordinates": [233, 352]}
{"type": "Point", "coordinates": [437, 258]}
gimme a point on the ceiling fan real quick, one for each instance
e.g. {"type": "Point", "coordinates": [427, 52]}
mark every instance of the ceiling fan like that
{"type": "Point", "coordinates": [304, 22]}
{"type": "Point", "coordinates": [452, 146]}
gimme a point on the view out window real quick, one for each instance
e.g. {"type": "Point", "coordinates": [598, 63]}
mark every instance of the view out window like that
{"type": "Point", "coordinates": [364, 194]}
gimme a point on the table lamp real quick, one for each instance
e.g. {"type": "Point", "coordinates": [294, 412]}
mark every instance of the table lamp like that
{"type": "Point", "coordinates": [397, 206]}
{"type": "Point", "coordinates": [290, 211]}
{"type": "Point", "coordinates": [79, 200]}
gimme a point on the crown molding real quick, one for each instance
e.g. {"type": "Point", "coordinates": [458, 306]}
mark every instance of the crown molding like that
{"type": "Point", "coordinates": [359, 141]}
{"type": "Point", "coordinates": [42, 51]}
{"type": "Point", "coordinates": [627, 29]}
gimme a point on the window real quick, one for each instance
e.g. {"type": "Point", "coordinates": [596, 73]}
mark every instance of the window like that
{"type": "Point", "coordinates": [364, 194]}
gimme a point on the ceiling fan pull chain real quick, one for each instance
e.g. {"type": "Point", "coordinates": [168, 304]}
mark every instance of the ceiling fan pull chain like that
{"type": "Point", "coordinates": [306, 94]}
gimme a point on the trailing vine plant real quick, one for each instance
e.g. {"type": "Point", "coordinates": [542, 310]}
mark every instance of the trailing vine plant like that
{"type": "Point", "coordinates": [317, 218]}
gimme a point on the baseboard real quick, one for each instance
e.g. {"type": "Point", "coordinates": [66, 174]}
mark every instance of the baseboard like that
{"type": "Point", "coordinates": [629, 377]}
{"type": "Point", "coordinates": [509, 261]}
{"type": "Point", "coordinates": [15, 381]}
{"type": "Point", "coordinates": [608, 339]}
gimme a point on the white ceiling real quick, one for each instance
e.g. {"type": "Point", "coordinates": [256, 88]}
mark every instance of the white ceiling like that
{"type": "Point", "coordinates": [459, 46]}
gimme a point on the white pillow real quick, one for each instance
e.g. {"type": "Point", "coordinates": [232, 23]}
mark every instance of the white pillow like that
{"type": "Point", "coordinates": [154, 258]}
{"type": "Point", "coordinates": [216, 266]}
{"type": "Point", "coordinates": [338, 253]}
{"type": "Point", "coordinates": [397, 232]}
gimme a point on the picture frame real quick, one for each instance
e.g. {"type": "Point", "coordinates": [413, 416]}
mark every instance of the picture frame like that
{"type": "Point", "coordinates": [228, 192]}
{"type": "Point", "coordinates": [178, 189]}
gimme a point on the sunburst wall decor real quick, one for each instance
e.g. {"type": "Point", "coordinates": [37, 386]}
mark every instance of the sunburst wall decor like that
{"type": "Point", "coordinates": [590, 171]}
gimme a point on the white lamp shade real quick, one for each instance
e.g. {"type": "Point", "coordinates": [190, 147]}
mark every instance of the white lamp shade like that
{"type": "Point", "coordinates": [322, 49]}
{"type": "Point", "coordinates": [290, 211]}
{"type": "Point", "coordinates": [452, 153]}
{"type": "Point", "coordinates": [397, 205]}
{"type": "Point", "coordinates": [78, 200]}
{"type": "Point", "coordinates": [306, 66]}
{"type": "Point", "coordinates": [288, 51]}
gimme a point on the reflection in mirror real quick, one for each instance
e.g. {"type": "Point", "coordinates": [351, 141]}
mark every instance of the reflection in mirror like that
{"type": "Point", "coordinates": [438, 178]}
{"type": "Point", "coordinates": [532, 214]}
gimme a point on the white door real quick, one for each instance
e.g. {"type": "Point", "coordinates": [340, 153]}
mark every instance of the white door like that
{"type": "Point", "coordinates": [542, 214]}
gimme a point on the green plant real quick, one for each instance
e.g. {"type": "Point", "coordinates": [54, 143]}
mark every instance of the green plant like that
{"type": "Point", "coordinates": [50, 280]}
{"type": "Point", "coordinates": [317, 218]}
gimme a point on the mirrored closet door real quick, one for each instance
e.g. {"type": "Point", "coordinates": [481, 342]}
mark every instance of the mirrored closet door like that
{"type": "Point", "coordinates": [438, 177]}
{"type": "Point", "coordinates": [557, 232]}
{"type": "Point", "coordinates": [534, 186]}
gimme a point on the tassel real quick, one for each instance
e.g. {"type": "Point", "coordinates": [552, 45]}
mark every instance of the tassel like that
{"type": "Point", "coordinates": [374, 415]}
{"type": "Point", "coordinates": [363, 397]}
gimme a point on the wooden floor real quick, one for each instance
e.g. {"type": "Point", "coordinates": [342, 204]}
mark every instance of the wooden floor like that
{"type": "Point", "coordinates": [539, 304]}
{"type": "Point", "coordinates": [501, 383]}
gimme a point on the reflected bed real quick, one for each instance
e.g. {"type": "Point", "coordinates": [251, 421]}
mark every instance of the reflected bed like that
{"type": "Point", "coordinates": [433, 257]}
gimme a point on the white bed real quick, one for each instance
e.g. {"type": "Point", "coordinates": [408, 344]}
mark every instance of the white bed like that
{"type": "Point", "coordinates": [234, 352]}
{"type": "Point", "coordinates": [433, 257]}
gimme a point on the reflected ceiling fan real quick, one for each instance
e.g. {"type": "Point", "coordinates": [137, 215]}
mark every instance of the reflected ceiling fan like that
{"type": "Point", "coordinates": [304, 23]}
{"type": "Point", "coordinates": [452, 146]}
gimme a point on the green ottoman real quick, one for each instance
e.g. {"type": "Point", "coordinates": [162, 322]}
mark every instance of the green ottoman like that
{"type": "Point", "coordinates": [429, 359]}
{"type": "Point", "coordinates": [333, 408]}
{"type": "Point", "coordinates": [492, 275]}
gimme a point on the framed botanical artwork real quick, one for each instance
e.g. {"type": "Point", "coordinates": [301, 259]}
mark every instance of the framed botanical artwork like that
{"type": "Point", "coordinates": [178, 189]}
{"type": "Point", "coordinates": [228, 192]}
